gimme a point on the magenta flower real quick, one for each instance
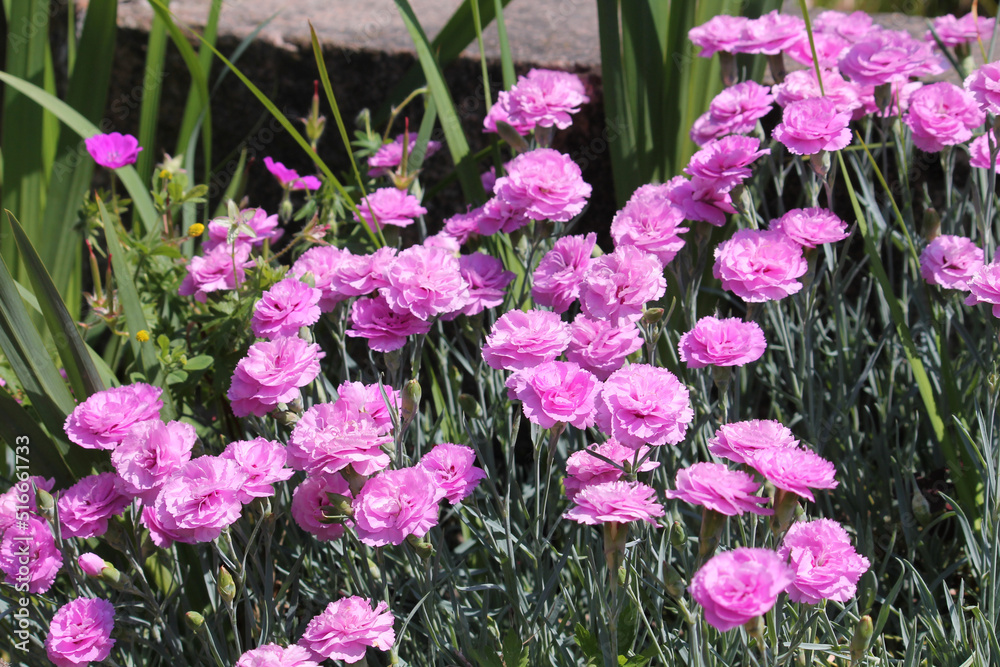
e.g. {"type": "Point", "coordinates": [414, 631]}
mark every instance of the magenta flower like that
{"type": "Point", "coordinates": [453, 470]}
{"type": "Point", "coordinates": [347, 627]}
{"type": "Point", "coordinates": [615, 502]}
{"type": "Point", "coordinates": [396, 504]}
{"type": "Point", "coordinates": [979, 152]}
{"type": "Point", "coordinates": [390, 155]}
{"type": "Point", "coordinates": [736, 586]}
{"type": "Point", "coordinates": [487, 280]}
{"type": "Point", "coordinates": [425, 282]}
{"type": "Point", "coordinates": [264, 226]}
{"type": "Point", "coordinates": [738, 441]}
{"type": "Point", "coordinates": [642, 404]}
{"type": "Point", "coordinates": [219, 269]}
{"type": "Point", "coordinates": [583, 469]}
{"type": "Point", "coordinates": [308, 501]}
{"type": "Point", "coordinates": [262, 461]}
{"type": "Point", "coordinates": [360, 275]}
{"type": "Point", "coordinates": [91, 564]}
{"type": "Point", "coordinates": [499, 215]}
{"type": "Point", "coordinates": [320, 264]}
{"type": "Point", "coordinates": [803, 84]}
{"type": "Point", "coordinates": [651, 222]}
{"type": "Point", "coordinates": [728, 342]}
{"type": "Point", "coordinates": [556, 281]}
{"type": "Point", "coordinates": [884, 56]}
{"type": "Point", "coordinates": [272, 373]}
{"type": "Point", "coordinates": [384, 329]}
{"type": "Point", "coordinates": [759, 265]}
{"type": "Point", "coordinates": [794, 470]}
{"type": "Point", "coordinates": [720, 33]}
{"type": "Point", "coordinates": [825, 565]}
{"type": "Point", "coordinates": [463, 226]}
{"type": "Point", "coordinates": [80, 633]}
{"type": "Point", "coordinates": [554, 392]}
{"type": "Point", "coordinates": [272, 655]}
{"type": "Point", "coordinates": [113, 150]}
{"type": "Point", "coordinates": [545, 185]}
{"type": "Point", "coordinates": [720, 489]}
{"type": "Point", "coordinates": [372, 399]}
{"type": "Point", "coordinates": [200, 500]}
{"type": "Point", "coordinates": [853, 27]}
{"type": "Point", "coordinates": [331, 436]}
{"type": "Point", "coordinates": [813, 125]}
{"type": "Point", "coordinates": [85, 507]}
{"type": "Point", "coordinates": [545, 98]}
{"type": "Point", "coordinates": [770, 34]}
{"type": "Point", "coordinates": [829, 49]}
{"type": "Point", "coordinates": [700, 199]}
{"type": "Point", "coordinates": [104, 419]}
{"type": "Point", "coordinates": [810, 227]}
{"type": "Point", "coordinates": [150, 453]}
{"type": "Point", "coordinates": [953, 31]}
{"type": "Point", "coordinates": [29, 555]}
{"type": "Point", "coordinates": [525, 339]}
{"type": "Point", "coordinates": [901, 92]}
{"type": "Point", "coordinates": [500, 112]}
{"type": "Point", "coordinates": [951, 262]}
{"type": "Point", "coordinates": [600, 346]}
{"type": "Point", "coordinates": [725, 163]}
{"type": "Point", "coordinates": [389, 206]}
{"type": "Point", "coordinates": [942, 114]}
{"type": "Point", "coordinates": [985, 287]}
{"type": "Point", "coordinates": [735, 110]}
{"type": "Point", "coordinates": [984, 85]}
{"type": "Point", "coordinates": [618, 286]}
{"type": "Point", "coordinates": [285, 308]}
{"type": "Point", "coordinates": [289, 178]}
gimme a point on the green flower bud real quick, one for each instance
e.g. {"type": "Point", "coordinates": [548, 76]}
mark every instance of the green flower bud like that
{"type": "Point", "coordinates": [678, 536]}
{"type": "Point", "coordinates": [226, 585]}
{"type": "Point", "coordinates": [862, 639]}
{"type": "Point", "coordinates": [469, 404]}
{"type": "Point", "coordinates": [194, 620]}
{"type": "Point", "coordinates": [652, 315]}
{"type": "Point", "coordinates": [411, 402]}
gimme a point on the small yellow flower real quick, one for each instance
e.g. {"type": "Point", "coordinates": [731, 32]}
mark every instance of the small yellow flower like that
{"type": "Point", "coordinates": [165, 174]}
{"type": "Point", "coordinates": [197, 229]}
{"type": "Point", "coordinates": [142, 335]}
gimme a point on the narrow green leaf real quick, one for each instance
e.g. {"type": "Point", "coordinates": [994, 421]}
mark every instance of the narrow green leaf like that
{"type": "Point", "coordinates": [506, 61]}
{"type": "Point", "coordinates": [19, 429]}
{"type": "Point", "coordinates": [149, 110]}
{"type": "Point", "coordinates": [191, 121]}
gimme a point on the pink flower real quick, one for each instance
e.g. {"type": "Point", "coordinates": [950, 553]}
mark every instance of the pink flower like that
{"type": "Point", "coordinates": [545, 98]}
{"type": "Point", "coordinates": [425, 282]}
{"type": "Point", "coordinates": [289, 178]}
{"type": "Point", "coordinates": [735, 110]}
{"type": "Point", "coordinates": [285, 308]}
{"type": "Point", "coordinates": [499, 215]}
{"type": "Point", "coordinates": [556, 281]}
{"type": "Point", "coordinates": [262, 461]}
{"type": "Point", "coordinates": [813, 125]}
{"type": "Point", "coordinates": [951, 262]}
{"type": "Point", "coordinates": [615, 502]}
{"type": "Point", "coordinates": [618, 286]}
{"type": "Point", "coordinates": [583, 469]}
{"type": "Point", "coordinates": [759, 265]}
{"type": "Point", "coordinates": [220, 269]}
{"type": "Point", "coordinates": [720, 33]}
{"type": "Point", "coordinates": [29, 555]}
{"type": "Point", "coordinates": [794, 470]}
{"type": "Point", "coordinates": [373, 399]}
{"type": "Point", "coordinates": [21, 498]}
{"type": "Point", "coordinates": [901, 92]}
{"type": "Point", "coordinates": [979, 152]}
{"type": "Point", "coordinates": [725, 162]}
{"type": "Point", "coordinates": [200, 500]}
{"type": "Point", "coordinates": [453, 470]}
{"type": "Point", "coordinates": [651, 222]}
{"type": "Point", "coordinates": [331, 436]}
{"type": "Point", "coordinates": [257, 219]}
{"type": "Point", "coordinates": [952, 31]}
{"type": "Point", "coordinates": [885, 56]}
{"type": "Point", "coordinates": [984, 85]}
{"type": "Point", "coordinates": [700, 199]}
{"type": "Point", "coordinates": [545, 185]}
{"type": "Point", "coordinates": [601, 347]}
{"type": "Point", "coordinates": [525, 339]}
{"type": "Point", "coordinates": [113, 150]}
{"type": "Point", "coordinates": [738, 441]}
{"type": "Point", "coordinates": [320, 263]}
{"type": "Point", "coordinates": [720, 489]}
{"type": "Point", "coordinates": [555, 391]}
{"type": "Point", "coordinates": [396, 504]}
{"type": "Point", "coordinates": [389, 206]}
{"type": "Point", "coordinates": [641, 404]}
{"type": "Point", "coordinates": [853, 27]}
{"type": "Point", "coordinates": [736, 586]}
{"type": "Point", "coordinates": [829, 49]}
{"type": "Point", "coordinates": [104, 419]}
{"type": "Point", "coordinates": [770, 34]}
{"type": "Point", "coordinates": [487, 281]}
{"type": "Point", "coordinates": [80, 633]}
{"type": "Point", "coordinates": [347, 627]}
{"type": "Point", "coordinates": [463, 226]}
{"type": "Point", "coordinates": [272, 373]}
{"type": "Point", "coordinates": [803, 84]}
{"type": "Point", "coordinates": [150, 453]}
{"type": "Point", "coordinates": [728, 342]}
{"type": "Point", "coordinates": [273, 655]}
{"type": "Point", "coordinates": [85, 507]}
{"type": "Point", "coordinates": [384, 329]}
{"type": "Point", "coordinates": [359, 275]}
{"type": "Point", "coordinates": [309, 499]}
{"type": "Point", "coordinates": [985, 287]}
{"type": "Point", "coordinates": [825, 565]}
{"type": "Point", "coordinates": [91, 564]}
{"type": "Point", "coordinates": [388, 156]}
{"type": "Point", "coordinates": [810, 227]}
{"type": "Point", "coordinates": [500, 112]}
{"type": "Point", "coordinates": [942, 114]}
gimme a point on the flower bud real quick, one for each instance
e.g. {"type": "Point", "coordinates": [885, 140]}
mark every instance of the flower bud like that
{"type": "Point", "coordinates": [226, 585]}
{"type": "Point", "coordinates": [411, 402]}
{"type": "Point", "coordinates": [674, 582]}
{"type": "Point", "coordinates": [285, 209]}
{"type": "Point", "coordinates": [423, 548]}
{"type": "Point", "coordinates": [469, 404]}
{"type": "Point", "coordinates": [46, 504]}
{"type": "Point", "coordinates": [194, 620]}
{"type": "Point", "coordinates": [712, 523]}
{"type": "Point", "coordinates": [196, 230]}
{"type": "Point", "coordinates": [510, 135]}
{"type": "Point", "coordinates": [785, 505]}
{"type": "Point", "coordinates": [862, 638]}
{"type": "Point", "coordinates": [678, 536]}
{"type": "Point", "coordinates": [932, 224]}
{"type": "Point", "coordinates": [921, 508]}
{"type": "Point", "coordinates": [142, 336]}
{"type": "Point", "coordinates": [652, 315]}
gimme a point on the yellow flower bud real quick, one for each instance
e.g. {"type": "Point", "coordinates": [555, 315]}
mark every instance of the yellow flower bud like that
{"type": "Point", "coordinates": [142, 336]}
{"type": "Point", "coordinates": [195, 230]}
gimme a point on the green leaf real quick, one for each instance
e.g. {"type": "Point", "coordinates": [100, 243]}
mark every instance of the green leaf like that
{"type": "Point", "coordinates": [149, 110]}
{"type": "Point", "coordinates": [514, 653]}
{"type": "Point", "coordinates": [200, 362]}
{"type": "Point", "coordinates": [588, 643]}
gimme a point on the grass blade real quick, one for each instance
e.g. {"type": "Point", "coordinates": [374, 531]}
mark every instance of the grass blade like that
{"type": "Point", "coordinates": [149, 111]}
{"type": "Point", "coordinates": [506, 61]}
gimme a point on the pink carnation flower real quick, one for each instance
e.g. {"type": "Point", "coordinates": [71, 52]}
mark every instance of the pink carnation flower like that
{"type": "Point", "coordinates": [727, 342]}
{"type": "Point", "coordinates": [331, 436]}
{"type": "Point", "coordinates": [770, 34]}
{"type": "Point", "coordinates": [853, 27]}
{"type": "Point", "coordinates": [104, 419]}
{"type": "Point", "coordinates": [700, 199]}
{"type": "Point", "coordinates": [80, 633]}
{"type": "Point", "coordinates": [803, 85]}
{"type": "Point", "coordinates": [985, 287]}
{"type": "Point", "coordinates": [794, 470]}
{"type": "Point", "coordinates": [885, 56]}
{"type": "Point", "coordinates": [545, 98]}
{"type": "Point", "coordinates": [320, 264]}
{"type": "Point", "coordinates": [759, 265]}
{"type": "Point", "coordinates": [218, 270]}
{"type": "Point", "coordinates": [901, 92]}
{"type": "Point", "coordinates": [425, 282]}
{"type": "Point", "coordinates": [85, 507]}
{"type": "Point", "coordinates": [951, 262]}
{"type": "Point", "coordinates": [289, 178]}
{"type": "Point", "coordinates": [285, 308]}
{"type": "Point", "coordinates": [720, 33]}
{"type": "Point", "coordinates": [813, 125]}
{"type": "Point", "coordinates": [725, 162]}
{"type": "Point", "coordinates": [463, 226]}
{"type": "Point", "coordinates": [810, 227]}
{"type": "Point", "coordinates": [150, 453]}
{"type": "Point", "coordinates": [583, 469]}
{"type": "Point", "coordinates": [487, 280]}
{"type": "Point", "coordinates": [389, 155]}
{"type": "Point", "coordinates": [618, 286]}
{"type": "Point", "coordinates": [20, 498]}
{"type": "Point", "coordinates": [651, 222]}
{"type": "Point", "coordinates": [385, 330]}
{"type": "Point", "coordinates": [615, 502]}
{"type": "Point", "coordinates": [347, 627]}
{"type": "Point", "coordinates": [984, 85]}
{"type": "Point", "coordinates": [372, 399]}
{"type": "Point", "coordinates": [500, 112]}
{"type": "Point", "coordinates": [359, 275]}
{"type": "Point", "coordinates": [199, 501]}
{"type": "Point", "coordinates": [272, 655]}
{"type": "Point", "coordinates": [979, 152]}
{"type": "Point", "coordinates": [396, 504]}
{"type": "Point", "coordinates": [29, 555]}
{"type": "Point", "coordinates": [720, 489]}
{"type": "Point", "coordinates": [91, 564]}
{"type": "Point", "coordinates": [736, 586]}
{"type": "Point", "coordinates": [262, 461]}
{"type": "Point", "coordinates": [453, 470]}
{"type": "Point", "coordinates": [942, 114]}
{"type": "Point", "coordinates": [825, 565]}
{"type": "Point", "coordinates": [264, 226]}
{"type": "Point", "coordinates": [953, 31]}
{"type": "Point", "coordinates": [308, 501]}
{"type": "Point", "coordinates": [499, 215]}
{"type": "Point", "coordinates": [114, 150]}
{"type": "Point", "coordinates": [389, 206]}
{"type": "Point", "coordinates": [272, 373]}
{"type": "Point", "coordinates": [556, 281]}
{"type": "Point", "coordinates": [554, 392]}
{"type": "Point", "coordinates": [735, 110]}
{"type": "Point", "coordinates": [642, 404]}
{"type": "Point", "coordinates": [829, 49]}
{"type": "Point", "coordinates": [738, 441]}
{"type": "Point", "coordinates": [600, 346]}
{"type": "Point", "coordinates": [545, 184]}
{"type": "Point", "coordinates": [525, 339]}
